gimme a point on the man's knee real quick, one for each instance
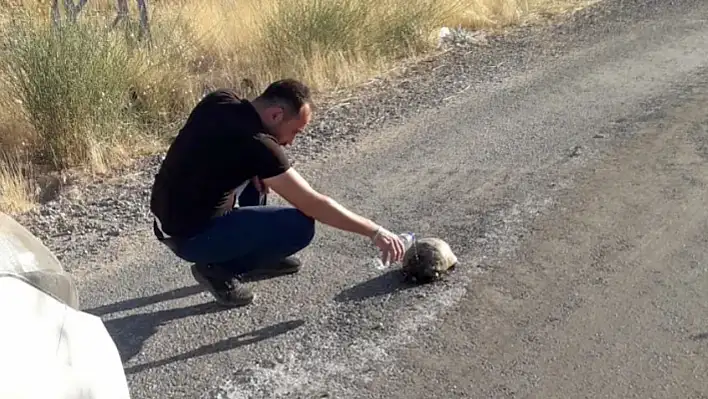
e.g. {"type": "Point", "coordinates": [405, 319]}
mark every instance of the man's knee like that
{"type": "Point", "coordinates": [305, 229]}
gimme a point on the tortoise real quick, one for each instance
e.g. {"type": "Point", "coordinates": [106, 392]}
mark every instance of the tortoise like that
{"type": "Point", "coordinates": [427, 260]}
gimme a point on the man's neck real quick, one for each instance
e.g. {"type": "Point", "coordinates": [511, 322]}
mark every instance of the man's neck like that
{"type": "Point", "coordinates": [260, 106]}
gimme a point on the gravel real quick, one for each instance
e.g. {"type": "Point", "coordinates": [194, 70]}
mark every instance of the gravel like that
{"type": "Point", "coordinates": [86, 215]}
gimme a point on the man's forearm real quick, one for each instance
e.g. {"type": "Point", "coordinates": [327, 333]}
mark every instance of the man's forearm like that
{"type": "Point", "coordinates": [330, 212]}
{"type": "Point", "coordinates": [294, 189]}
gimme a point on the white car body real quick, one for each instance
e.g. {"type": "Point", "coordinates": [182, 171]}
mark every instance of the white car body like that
{"type": "Point", "coordinates": [49, 348]}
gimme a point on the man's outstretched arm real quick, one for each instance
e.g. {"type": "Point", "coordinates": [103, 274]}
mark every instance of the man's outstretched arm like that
{"type": "Point", "coordinates": [294, 188]}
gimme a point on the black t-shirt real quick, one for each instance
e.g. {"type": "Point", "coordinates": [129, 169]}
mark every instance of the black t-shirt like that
{"type": "Point", "coordinates": [222, 145]}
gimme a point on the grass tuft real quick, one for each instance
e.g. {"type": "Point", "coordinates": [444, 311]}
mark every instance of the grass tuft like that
{"type": "Point", "coordinates": [17, 189]}
{"type": "Point", "coordinates": [73, 83]}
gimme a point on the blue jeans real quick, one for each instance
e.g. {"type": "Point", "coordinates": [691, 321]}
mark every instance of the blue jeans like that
{"type": "Point", "coordinates": [249, 236]}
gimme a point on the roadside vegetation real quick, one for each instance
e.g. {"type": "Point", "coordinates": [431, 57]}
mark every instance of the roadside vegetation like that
{"type": "Point", "coordinates": [94, 94]}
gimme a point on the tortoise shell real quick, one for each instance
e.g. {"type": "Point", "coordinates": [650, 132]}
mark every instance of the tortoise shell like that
{"type": "Point", "coordinates": [427, 260]}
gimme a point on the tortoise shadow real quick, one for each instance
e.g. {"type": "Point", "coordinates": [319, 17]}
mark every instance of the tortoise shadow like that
{"type": "Point", "coordinates": [390, 282]}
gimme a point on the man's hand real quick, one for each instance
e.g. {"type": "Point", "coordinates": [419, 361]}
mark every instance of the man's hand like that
{"type": "Point", "coordinates": [390, 244]}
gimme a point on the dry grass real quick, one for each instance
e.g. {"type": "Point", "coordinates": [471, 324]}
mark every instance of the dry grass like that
{"type": "Point", "coordinates": [17, 190]}
{"type": "Point", "coordinates": [92, 97]}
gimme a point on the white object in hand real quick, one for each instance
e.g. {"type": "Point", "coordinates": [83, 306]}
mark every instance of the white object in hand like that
{"type": "Point", "coordinates": [407, 239]}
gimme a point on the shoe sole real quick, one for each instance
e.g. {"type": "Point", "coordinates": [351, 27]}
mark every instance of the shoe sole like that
{"type": "Point", "coordinates": [206, 284]}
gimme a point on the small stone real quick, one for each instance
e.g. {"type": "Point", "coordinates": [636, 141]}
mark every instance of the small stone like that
{"type": "Point", "coordinates": [575, 151]}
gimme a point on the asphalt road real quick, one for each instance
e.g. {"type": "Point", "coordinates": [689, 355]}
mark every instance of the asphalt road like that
{"type": "Point", "coordinates": [572, 192]}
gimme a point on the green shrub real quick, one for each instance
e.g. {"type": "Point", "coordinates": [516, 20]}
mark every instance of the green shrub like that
{"type": "Point", "coordinates": [298, 30]}
{"type": "Point", "coordinates": [74, 83]}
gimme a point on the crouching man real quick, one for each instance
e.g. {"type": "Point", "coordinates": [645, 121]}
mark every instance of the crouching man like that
{"type": "Point", "coordinates": [209, 195]}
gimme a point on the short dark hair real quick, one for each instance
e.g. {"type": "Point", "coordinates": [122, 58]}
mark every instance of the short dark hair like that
{"type": "Point", "coordinates": [291, 93]}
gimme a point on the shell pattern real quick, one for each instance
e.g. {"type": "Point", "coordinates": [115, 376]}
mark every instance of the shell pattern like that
{"type": "Point", "coordinates": [428, 259]}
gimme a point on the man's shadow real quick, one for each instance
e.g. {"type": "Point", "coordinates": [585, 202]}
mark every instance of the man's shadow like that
{"type": "Point", "coordinates": [161, 297]}
{"type": "Point", "coordinates": [390, 282]}
{"type": "Point", "coordinates": [227, 344]}
{"type": "Point", "coordinates": [145, 301]}
{"type": "Point", "coordinates": [130, 332]}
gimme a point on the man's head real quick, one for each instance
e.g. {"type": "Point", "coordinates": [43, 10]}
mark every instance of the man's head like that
{"type": "Point", "coordinates": [285, 107]}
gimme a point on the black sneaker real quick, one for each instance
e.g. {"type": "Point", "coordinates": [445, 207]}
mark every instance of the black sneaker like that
{"type": "Point", "coordinates": [227, 291]}
{"type": "Point", "coordinates": [288, 265]}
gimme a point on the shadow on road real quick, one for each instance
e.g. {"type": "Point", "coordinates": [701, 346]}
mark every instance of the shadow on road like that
{"type": "Point", "coordinates": [153, 299]}
{"type": "Point", "coordinates": [383, 284]}
{"type": "Point", "coordinates": [145, 301]}
{"type": "Point", "coordinates": [130, 332]}
{"type": "Point", "coordinates": [700, 337]}
{"type": "Point", "coordinates": [227, 344]}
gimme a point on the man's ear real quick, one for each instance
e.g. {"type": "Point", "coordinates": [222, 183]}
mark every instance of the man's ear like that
{"type": "Point", "coordinates": [277, 115]}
